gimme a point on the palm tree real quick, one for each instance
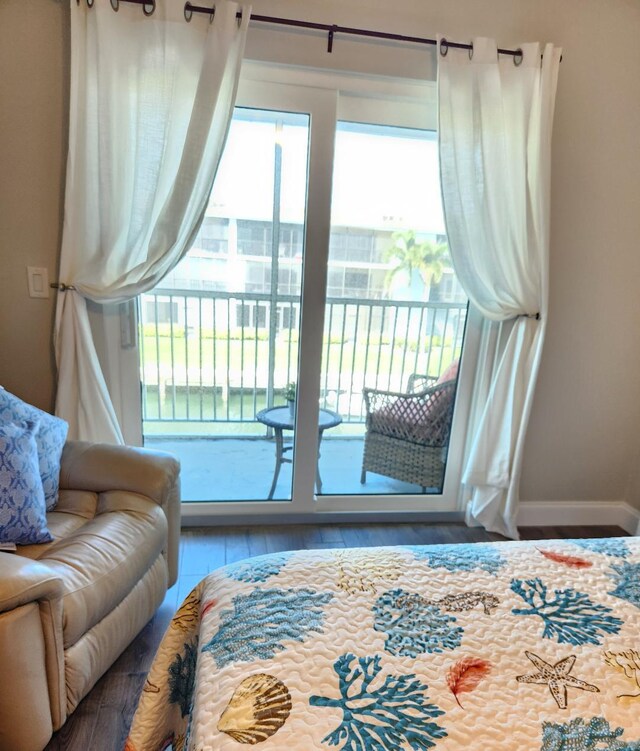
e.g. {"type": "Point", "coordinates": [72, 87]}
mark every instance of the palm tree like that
{"type": "Point", "coordinates": [428, 259]}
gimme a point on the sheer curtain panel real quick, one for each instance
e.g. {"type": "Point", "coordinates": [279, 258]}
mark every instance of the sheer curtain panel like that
{"type": "Point", "coordinates": [151, 102]}
{"type": "Point", "coordinates": [496, 116]}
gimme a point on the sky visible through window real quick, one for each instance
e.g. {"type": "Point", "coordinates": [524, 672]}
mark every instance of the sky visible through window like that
{"type": "Point", "coordinates": [384, 177]}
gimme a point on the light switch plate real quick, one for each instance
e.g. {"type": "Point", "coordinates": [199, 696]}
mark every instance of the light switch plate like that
{"type": "Point", "coordinates": [38, 281]}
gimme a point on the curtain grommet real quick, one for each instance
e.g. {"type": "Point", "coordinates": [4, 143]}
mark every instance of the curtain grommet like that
{"type": "Point", "coordinates": [444, 47]}
{"type": "Point", "coordinates": [212, 15]}
{"type": "Point", "coordinates": [188, 13]}
{"type": "Point", "coordinates": [471, 51]}
{"type": "Point", "coordinates": [518, 57]}
{"type": "Point", "coordinates": [90, 3]}
{"type": "Point", "coordinates": [152, 6]}
{"type": "Point", "coordinates": [115, 4]}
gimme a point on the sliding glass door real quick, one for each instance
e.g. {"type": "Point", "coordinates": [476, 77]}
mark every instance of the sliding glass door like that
{"type": "Point", "coordinates": [394, 315]}
{"type": "Point", "coordinates": [219, 335]}
{"type": "Point", "coordinates": [317, 303]}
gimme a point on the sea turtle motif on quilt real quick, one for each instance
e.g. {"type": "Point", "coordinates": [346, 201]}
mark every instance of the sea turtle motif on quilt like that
{"type": "Point", "coordinates": [414, 625]}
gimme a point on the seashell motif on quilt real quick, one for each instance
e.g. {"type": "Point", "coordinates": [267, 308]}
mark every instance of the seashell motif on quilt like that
{"type": "Point", "coordinates": [258, 708]}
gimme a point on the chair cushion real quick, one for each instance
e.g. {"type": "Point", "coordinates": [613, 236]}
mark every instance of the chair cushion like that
{"type": "Point", "coordinates": [101, 560]}
{"type": "Point", "coordinates": [22, 508]}
{"type": "Point", "coordinates": [449, 374]}
{"type": "Point", "coordinates": [50, 439]}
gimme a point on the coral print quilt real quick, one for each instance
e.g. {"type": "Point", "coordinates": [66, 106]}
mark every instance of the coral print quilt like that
{"type": "Point", "coordinates": [498, 646]}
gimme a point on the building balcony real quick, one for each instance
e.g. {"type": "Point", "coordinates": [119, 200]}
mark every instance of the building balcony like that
{"type": "Point", "coordinates": [210, 361]}
{"type": "Point", "coordinates": [214, 469]}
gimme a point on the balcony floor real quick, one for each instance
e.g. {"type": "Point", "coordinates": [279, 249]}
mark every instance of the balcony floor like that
{"type": "Point", "coordinates": [216, 469]}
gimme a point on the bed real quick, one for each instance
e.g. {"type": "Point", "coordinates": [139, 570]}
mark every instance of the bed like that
{"type": "Point", "coordinates": [501, 646]}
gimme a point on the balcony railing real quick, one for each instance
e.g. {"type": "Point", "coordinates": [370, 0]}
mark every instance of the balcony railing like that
{"type": "Point", "coordinates": [220, 357]}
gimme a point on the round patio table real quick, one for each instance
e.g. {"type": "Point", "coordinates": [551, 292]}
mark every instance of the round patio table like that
{"type": "Point", "coordinates": [280, 419]}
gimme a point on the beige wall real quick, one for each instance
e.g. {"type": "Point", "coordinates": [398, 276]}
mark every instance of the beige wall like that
{"type": "Point", "coordinates": [34, 51]}
{"type": "Point", "coordinates": [584, 440]}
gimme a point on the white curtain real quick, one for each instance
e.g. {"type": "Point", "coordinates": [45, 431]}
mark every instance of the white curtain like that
{"type": "Point", "coordinates": [495, 153]}
{"type": "Point", "coordinates": [151, 102]}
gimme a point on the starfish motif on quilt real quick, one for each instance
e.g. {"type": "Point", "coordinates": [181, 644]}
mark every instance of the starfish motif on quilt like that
{"type": "Point", "coordinates": [558, 677]}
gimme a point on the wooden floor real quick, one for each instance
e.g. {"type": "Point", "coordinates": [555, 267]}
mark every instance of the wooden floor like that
{"type": "Point", "coordinates": [102, 720]}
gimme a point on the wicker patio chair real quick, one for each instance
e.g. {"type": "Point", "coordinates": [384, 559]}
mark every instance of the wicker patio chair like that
{"type": "Point", "coordinates": [407, 434]}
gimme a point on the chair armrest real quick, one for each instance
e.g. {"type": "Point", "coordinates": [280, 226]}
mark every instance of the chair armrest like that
{"type": "Point", "coordinates": [31, 653]}
{"type": "Point", "coordinates": [23, 580]}
{"type": "Point", "coordinates": [100, 467]}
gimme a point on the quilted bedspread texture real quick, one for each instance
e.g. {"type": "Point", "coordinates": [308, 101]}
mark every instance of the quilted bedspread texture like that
{"type": "Point", "coordinates": [516, 645]}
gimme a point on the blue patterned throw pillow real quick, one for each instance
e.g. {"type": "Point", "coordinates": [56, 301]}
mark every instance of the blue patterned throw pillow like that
{"type": "Point", "coordinates": [23, 517]}
{"type": "Point", "coordinates": [50, 440]}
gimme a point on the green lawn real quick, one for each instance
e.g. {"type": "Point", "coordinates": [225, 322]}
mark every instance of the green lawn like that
{"type": "Point", "coordinates": [227, 378]}
{"type": "Point", "coordinates": [245, 361]}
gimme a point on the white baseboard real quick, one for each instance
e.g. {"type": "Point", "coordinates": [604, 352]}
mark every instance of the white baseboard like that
{"type": "Point", "coordinates": [531, 514]}
{"type": "Point", "coordinates": [197, 518]}
{"type": "Point", "coordinates": [579, 513]}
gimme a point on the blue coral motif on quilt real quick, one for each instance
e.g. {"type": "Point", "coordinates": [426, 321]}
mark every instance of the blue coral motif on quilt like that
{"type": "Point", "coordinates": [258, 569]}
{"type": "Point", "coordinates": [380, 715]}
{"type": "Point", "coordinates": [570, 617]}
{"type": "Point", "coordinates": [611, 546]}
{"type": "Point", "coordinates": [627, 579]}
{"type": "Point", "coordinates": [182, 678]}
{"type": "Point", "coordinates": [578, 735]}
{"type": "Point", "coordinates": [262, 622]}
{"type": "Point", "coordinates": [460, 557]}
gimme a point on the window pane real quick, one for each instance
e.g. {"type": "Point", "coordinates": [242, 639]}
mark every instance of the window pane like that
{"type": "Point", "coordinates": [219, 334]}
{"type": "Point", "coordinates": [394, 312]}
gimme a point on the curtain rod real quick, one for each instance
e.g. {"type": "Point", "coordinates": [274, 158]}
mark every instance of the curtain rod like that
{"type": "Point", "coordinates": [149, 6]}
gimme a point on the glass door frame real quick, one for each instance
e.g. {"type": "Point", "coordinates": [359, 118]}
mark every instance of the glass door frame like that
{"type": "Point", "coordinates": [320, 106]}
{"type": "Point", "coordinates": [323, 101]}
{"type": "Point", "coordinates": [326, 102]}
{"type": "Point", "coordinates": [382, 107]}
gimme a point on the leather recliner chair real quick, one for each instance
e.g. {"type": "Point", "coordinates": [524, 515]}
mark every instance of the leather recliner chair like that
{"type": "Point", "coordinates": [70, 607]}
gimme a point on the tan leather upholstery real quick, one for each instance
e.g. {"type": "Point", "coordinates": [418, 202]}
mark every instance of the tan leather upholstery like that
{"type": "Point", "coordinates": [154, 474]}
{"type": "Point", "coordinates": [68, 608]}
{"type": "Point", "coordinates": [26, 718]}
{"type": "Point", "coordinates": [94, 653]}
